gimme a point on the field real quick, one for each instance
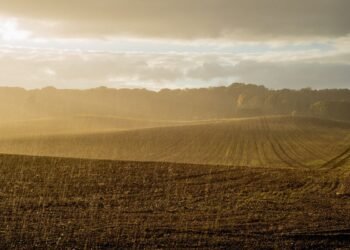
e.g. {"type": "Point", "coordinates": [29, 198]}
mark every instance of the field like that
{"type": "Point", "coordinates": [79, 124]}
{"type": "Point", "coordinates": [290, 142]}
{"type": "Point", "coordinates": [270, 182]}
{"type": "Point", "coordinates": [65, 203]}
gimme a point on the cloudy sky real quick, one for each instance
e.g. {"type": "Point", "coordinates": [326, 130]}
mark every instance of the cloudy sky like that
{"type": "Point", "coordinates": [174, 43]}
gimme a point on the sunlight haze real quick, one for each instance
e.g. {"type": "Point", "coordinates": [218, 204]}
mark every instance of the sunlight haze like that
{"type": "Point", "coordinates": [175, 124]}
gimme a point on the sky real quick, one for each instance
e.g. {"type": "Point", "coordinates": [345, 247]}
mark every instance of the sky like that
{"type": "Point", "coordinates": [157, 44]}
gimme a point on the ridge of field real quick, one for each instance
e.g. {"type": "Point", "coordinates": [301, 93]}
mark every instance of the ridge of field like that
{"type": "Point", "coordinates": [80, 124]}
{"type": "Point", "coordinates": [288, 142]}
{"type": "Point", "coordinates": [64, 203]}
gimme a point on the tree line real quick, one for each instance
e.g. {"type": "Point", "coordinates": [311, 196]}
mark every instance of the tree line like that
{"type": "Point", "coordinates": [235, 100]}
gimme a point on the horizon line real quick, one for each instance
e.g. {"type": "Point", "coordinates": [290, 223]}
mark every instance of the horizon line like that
{"type": "Point", "coordinates": [48, 87]}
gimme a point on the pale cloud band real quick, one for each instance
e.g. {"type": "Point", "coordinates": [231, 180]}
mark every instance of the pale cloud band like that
{"type": "Point", "coordinates": [68, 69]}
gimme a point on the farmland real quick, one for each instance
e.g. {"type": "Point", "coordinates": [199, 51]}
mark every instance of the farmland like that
{"type": "Point", "coordinates": [268, 182]}
{"type": "Point", "coordinates": [288, 142]}
{"type": "Point", "coordinates": [78, 124]}
{"type": "Point", "coordinates": [174, 124]}
{"type": "Point", "coordinates": [65, 203]}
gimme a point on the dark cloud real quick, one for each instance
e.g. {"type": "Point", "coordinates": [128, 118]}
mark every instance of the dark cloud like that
{"type": "Point", "coordinates": [185, 19]}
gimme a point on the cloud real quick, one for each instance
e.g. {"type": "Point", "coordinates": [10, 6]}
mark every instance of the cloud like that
{"type": "Point", "coordinates": [211, 70]}
{"type": "Point", "coordinates": [184, 19]}
{"type": "Point", "coordinates": [38, 68]}
{"type": "Point", "coordinates": [294, 74]}
{"type": "Point", "coordinates": [69, 69]}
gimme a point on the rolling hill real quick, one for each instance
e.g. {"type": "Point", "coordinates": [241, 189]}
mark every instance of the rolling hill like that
{"type": "Point", "coordinates": [79, 124]}
{"type": "Point", "coordinates": [281, 141]}
{"type": "Point", "coordinates": [266, 182]}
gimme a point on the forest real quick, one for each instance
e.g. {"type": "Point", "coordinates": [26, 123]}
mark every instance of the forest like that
{"type": "Point", "coordinates": [235, 100]}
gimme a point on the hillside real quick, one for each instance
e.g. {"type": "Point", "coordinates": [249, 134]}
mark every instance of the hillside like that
{"type": "Point", "coordinates": [80, 124]}
{"type": "Point", "coordinates": [286, 142]}
{"type": "Point", "coordinates": [70, 203]}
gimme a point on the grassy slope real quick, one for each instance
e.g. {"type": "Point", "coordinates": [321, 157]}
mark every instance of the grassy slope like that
{"type": "Point", "coordinates": [65, 203]}
{"type": "Point", "coordinates": [260, 142]}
